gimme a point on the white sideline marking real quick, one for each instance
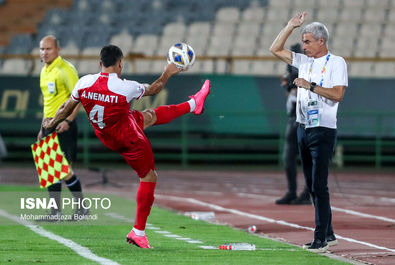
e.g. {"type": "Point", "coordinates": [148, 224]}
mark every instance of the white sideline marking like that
{"type": "Point", "coordinates": [184, 238]}
{"type": "Point", "coordinates": [152, 227]}
{"type": "Point", "coordinates": [263, 218]}
{"type": "Point", "coordinates": [171, 235]}
{"type": "Point", "coordinates": [256, 196]}
{"type": "Point", "coordinates": [80, 250]}
{"type": "Point", "coordinates": [195, 241]}
{"type": "Point", "coordinates": [370, 254]}
{"type": "Point", "coordinates": [162, 232]}
{"type": "Point", "coordinates": [381, 218]}
{"type": "Point", "coordinates": [278, 249]}
{"type": "Point", "coordinates": [366, 197]}
{"type": "Point", "coordinates": [208, 247]}
{"type": "Point", "coordinates": [120, 217]}
{"type": "Point", "coordinates": [384, 199]}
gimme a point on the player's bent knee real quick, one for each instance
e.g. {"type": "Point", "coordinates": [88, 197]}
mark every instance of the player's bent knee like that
{"type": "Point", "coordinates": [149, 118]}
{"type": "Point", "coordinates": [152, 176]}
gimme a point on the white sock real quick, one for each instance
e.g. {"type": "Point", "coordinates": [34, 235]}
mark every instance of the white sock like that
{"type": "Point", "coordinates": [192, 104]}
{"type": "Point", "coordinates": [139, 232]}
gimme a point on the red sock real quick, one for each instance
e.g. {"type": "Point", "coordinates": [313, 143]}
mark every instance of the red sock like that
{"type": "Point", "coordinates": [145, 199]}
{"type": "Point", "coordinates": [165, 114]}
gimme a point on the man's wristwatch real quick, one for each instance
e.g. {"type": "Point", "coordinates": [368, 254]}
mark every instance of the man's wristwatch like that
{"type": "Point", "coordinates": [68, 122]}
{"type": "Point", "coordinates": [312, 86]}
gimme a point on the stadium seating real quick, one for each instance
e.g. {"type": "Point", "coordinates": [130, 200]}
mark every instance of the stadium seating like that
{"type": "Point", "coordinates": [16, 67]}
{"type": "Point", "coordinates": [353, 4]}
{"type": "Point", "coordinates": [361, 69]}
{"type": "Point", "coordinates": [88, 66]}
{"type": "Point", "coordinates": [327, 16]}
{"type": "Point", "coordinates": [197, 35]}
{"type": "Point", "coordinates": [360, 28]}
{"type": "Point", "coordinates": [326, 5]}
{"type": "Point", "coordinates": [123, 40]}
{"type": "Point", "coordinates": [37, 64]}
{"type": "Point", "coordinates": [20, 44]}
{"type": "Point", "coordinates": [253, 14]}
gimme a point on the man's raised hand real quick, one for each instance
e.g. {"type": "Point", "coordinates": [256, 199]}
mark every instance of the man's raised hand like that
{"type": "Point", "coordinates": [297, 20]}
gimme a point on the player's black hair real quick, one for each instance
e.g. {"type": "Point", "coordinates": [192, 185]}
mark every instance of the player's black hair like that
{"type": "Point", "coordinates": [110, 55]}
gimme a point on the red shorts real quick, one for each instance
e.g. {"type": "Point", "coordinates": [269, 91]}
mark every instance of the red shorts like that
{"type": "Point", "coordinates": [139, 156]}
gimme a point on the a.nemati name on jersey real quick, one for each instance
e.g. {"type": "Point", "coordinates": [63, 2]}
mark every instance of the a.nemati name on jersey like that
{"type": "Point", "coordinates": [100, 97]}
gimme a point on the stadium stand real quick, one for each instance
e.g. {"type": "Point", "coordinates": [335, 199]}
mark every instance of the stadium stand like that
{"type": "Point", "coordinates": [228, 36]}
{"type": "Point", "coordinates": [16, 67]}
{"type": "Point", "coordinates": [235, 28]}
{"type": "Point", "coordinates": [22, 16]}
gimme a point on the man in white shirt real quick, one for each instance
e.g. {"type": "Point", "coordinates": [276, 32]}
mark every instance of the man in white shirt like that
{"type": "Point", "coordinates": [291, 151]}
{"type": "Point", "coordinates": [321, 82]}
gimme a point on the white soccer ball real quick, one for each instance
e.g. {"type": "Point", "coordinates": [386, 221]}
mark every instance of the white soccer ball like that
{"type": "Point", "coordinates": [182, 55]}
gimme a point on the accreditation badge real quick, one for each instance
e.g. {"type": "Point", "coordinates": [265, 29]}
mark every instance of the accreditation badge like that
{"type": "Point", "coordinates": [51, 87]}
{"type": "Point", "coordinates": [313, 114]}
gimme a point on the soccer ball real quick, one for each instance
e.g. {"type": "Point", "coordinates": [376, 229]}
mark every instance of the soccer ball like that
{"type": "Point", "coordinates": [182, 55]}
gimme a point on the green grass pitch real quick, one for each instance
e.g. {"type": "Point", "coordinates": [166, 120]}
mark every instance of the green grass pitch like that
{"type": "Point", "coordinates": [105, 237]}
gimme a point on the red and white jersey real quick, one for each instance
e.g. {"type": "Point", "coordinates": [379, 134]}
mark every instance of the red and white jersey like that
{"type": "Point", "coordinates": [106, 99]}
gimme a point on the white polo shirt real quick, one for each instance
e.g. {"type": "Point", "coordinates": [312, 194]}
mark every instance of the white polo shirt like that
{"type": "Point", "coordinates": [335, 74]}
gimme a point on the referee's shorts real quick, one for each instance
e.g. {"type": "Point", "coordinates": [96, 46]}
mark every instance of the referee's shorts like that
{"type": "Point", "coordinates": [67, 140]}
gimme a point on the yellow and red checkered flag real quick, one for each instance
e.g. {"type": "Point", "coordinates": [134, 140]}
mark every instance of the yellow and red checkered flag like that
{"type": "Point", "coordinates": [50, 162]}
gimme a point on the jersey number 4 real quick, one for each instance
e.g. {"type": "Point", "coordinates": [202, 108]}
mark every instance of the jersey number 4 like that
{"type": "Point", "coordinates": [96, 116]}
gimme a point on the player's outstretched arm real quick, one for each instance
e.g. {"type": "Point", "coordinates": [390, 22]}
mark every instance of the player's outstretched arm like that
{"type": "Point", "coordinates": [277, 47]}
{"type": "Point", "coordinates": [63, 112]}
{"type": "Point", "coordinates": [65, 125]}
{"type": "Point", "coordinates": [153, 89]}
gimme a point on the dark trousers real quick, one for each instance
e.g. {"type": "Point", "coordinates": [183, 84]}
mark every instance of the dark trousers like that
{"type": "Point", "coordinates": [316, 146]}
{"type": "Point", "coordinates": [67, 140]}
{"type": "Point", "coordinates": [291, 153]}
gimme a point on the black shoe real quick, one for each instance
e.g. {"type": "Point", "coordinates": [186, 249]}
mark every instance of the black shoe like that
{"type": "Point", "coordinates": [287, 199]}
{"type": "Point", "coordinates": [331, 240]}
{"type": "Point", "coordinates": [302, 200]}
{"type": "Point", "coordinates": [317, 246]}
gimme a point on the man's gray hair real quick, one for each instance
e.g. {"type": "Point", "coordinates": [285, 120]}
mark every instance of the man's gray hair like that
{"type": "Point", "coordinates": [318, 30]}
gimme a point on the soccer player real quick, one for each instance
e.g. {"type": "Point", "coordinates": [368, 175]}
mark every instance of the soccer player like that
{"type": "Point", "coordinates": [57, 80]}
{"type": "Point", "coordinates": [106, 99]}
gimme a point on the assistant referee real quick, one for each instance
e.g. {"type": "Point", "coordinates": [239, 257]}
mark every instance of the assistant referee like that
{"type": "Point", "coordinates": [57, 80]}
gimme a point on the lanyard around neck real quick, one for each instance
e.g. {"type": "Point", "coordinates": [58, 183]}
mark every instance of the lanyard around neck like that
{"type": "Point", "coordinates": [322, 71]}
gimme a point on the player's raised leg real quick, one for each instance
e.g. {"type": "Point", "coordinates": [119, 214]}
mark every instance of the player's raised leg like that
{"type": "Point", "coordinates": [165, 114]}
{"type": "Point", "coordinates": [200, 97]}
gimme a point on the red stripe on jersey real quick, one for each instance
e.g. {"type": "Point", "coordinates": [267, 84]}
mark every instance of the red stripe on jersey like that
{"type": "Point", "coordinates": [75, 99]}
